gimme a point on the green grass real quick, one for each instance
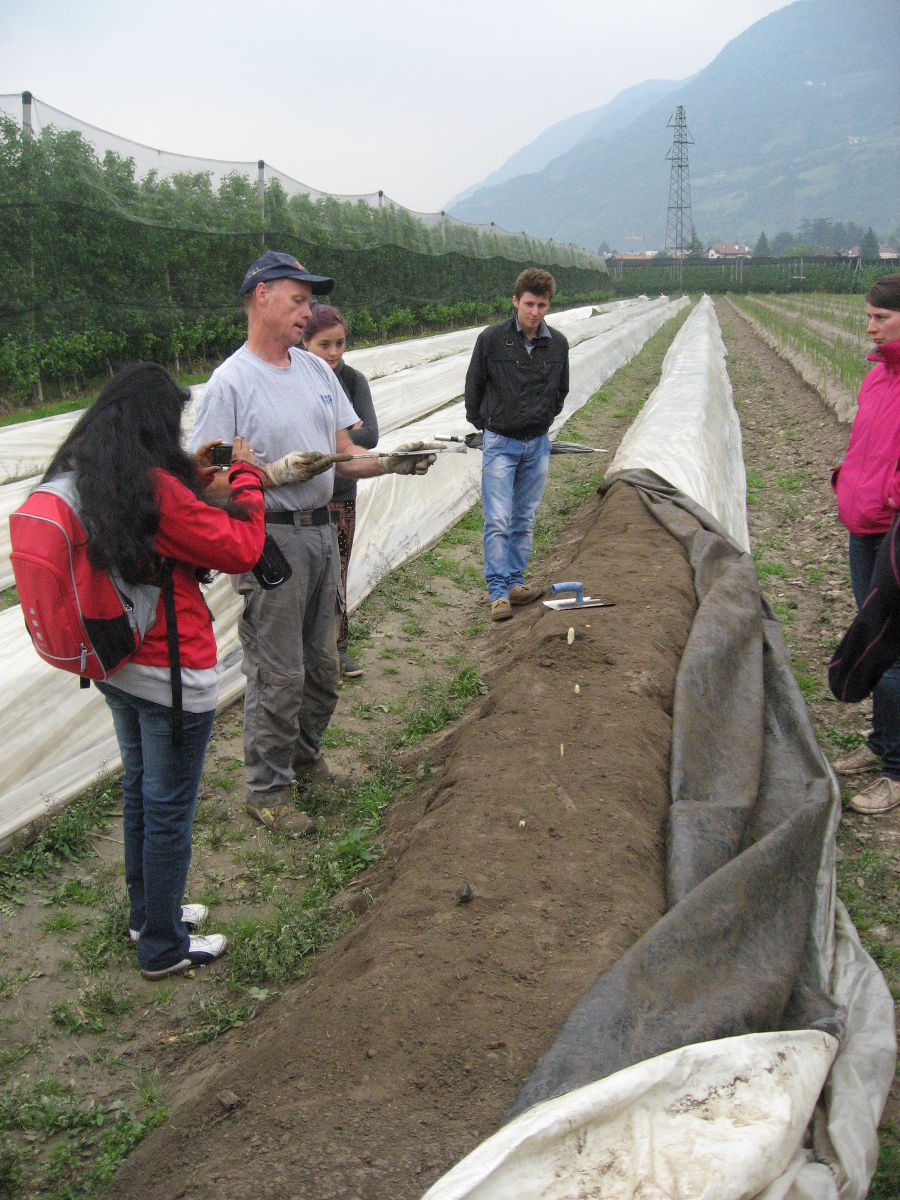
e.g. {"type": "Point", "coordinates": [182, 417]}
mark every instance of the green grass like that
{"type": "Point", "coordinates": [336, 737]}
{"type": "Point", "coordinates": [60, 922]}
{"type": "Point", "coordinates": [85, 1140]}
{"type": "Point", "coordinates": [52, 409]}
{"type": "Point", "coordinates": [107, 940]}
{"type": "Point", "coordinates": [65, 837]}
{"type": "Point", "coordinates": [438, 702]}
{"type": "Point", "coordinates": [90, 1013]}
{"type": "Point", "coordinates": [885, 1183]}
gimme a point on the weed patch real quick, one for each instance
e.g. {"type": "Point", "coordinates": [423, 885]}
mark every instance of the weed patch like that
{"type": "Point", "coordinates": [437, 703]}
{"type": "Point", "coordinates": [64, 837]}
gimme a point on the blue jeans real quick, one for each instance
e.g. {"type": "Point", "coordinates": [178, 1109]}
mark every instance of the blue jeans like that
{"type": "Point", "coordinates": [885, 739]}
{"type": "Point", "coordinates": [159, 786]}
{"type": "Point", "coordinates": [513, 475]}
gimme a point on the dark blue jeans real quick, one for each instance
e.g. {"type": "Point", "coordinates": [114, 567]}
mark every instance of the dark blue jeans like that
{"type": "Point", "coordinates": [159, 786]}
{"type": "Point", "coordinates": [885, 739]}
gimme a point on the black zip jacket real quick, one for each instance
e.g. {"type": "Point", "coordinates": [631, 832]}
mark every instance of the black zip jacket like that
{"type": "Point", "coordinates": [510, 391]}
{"type": "Point", "coordinates": [872, 643]}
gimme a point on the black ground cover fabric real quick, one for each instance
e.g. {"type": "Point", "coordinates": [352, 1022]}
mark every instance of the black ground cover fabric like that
{"type": "Point", "coordinates": [742, 948]}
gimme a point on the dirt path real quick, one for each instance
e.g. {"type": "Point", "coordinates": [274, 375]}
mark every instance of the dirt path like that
{"type": "Point", "coordinates": [413, 1036]}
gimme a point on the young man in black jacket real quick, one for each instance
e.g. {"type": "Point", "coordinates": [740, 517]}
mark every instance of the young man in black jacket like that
{"type": "Point", "coordinates": [515, 386]}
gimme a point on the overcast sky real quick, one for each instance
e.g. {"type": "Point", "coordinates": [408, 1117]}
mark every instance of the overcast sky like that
{"type": "Point", "coordinates": [418, 98]}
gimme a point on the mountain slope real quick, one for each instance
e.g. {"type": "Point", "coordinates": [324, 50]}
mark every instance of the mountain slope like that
{"type": "Point", "coordinates": [797, 117]}
{"type": "Point", "coordinates": [563, 135]}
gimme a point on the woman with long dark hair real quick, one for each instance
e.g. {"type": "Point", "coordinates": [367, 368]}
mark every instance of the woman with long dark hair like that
{"type": "Point", "coordinates": [325, 335]}
{"type": "Point", "coordinates": [141, 505]}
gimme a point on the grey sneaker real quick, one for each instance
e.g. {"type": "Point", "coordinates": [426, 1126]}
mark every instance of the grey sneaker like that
{"type": "Point", "coordinates": [879, 797]}
{"type": "Point", "coordinates": [202, 950]}
{"type": "Point", "coordinates": [192, 915]}
{"type": "Point", "coordinates": [276, 811]}
{"type": "Point", "coordinates": [350, 668]}
{"type": "Point", "coordinates": [858, 760]}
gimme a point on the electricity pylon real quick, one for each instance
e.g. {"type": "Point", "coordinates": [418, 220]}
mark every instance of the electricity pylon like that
{"type": "Point", "coordinates": [679, 224]}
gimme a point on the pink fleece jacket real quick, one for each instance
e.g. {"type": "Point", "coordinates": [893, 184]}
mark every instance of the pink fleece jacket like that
{"type": "Point", "coordinates": [867, 483]}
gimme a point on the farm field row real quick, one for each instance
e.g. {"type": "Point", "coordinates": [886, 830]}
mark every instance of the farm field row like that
{"type": "Point", "coordinates": [138, 1045]}
{"type": "Point", "coordinates": [828, 356]}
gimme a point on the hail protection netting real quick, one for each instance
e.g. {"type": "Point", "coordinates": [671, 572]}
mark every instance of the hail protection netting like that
{"type": "Point", "coordinates": [112, 251]}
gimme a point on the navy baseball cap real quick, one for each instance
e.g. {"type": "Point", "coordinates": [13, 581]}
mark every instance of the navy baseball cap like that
{"type": "Point", "coordinates": [276, 265]}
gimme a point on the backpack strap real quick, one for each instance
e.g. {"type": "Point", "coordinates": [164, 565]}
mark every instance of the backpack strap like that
{"type": "Point", "coordinates": [168, 591]}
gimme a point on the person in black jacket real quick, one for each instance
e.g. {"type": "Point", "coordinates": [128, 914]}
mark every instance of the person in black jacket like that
{"type": "Point", "coordinates": [515, 386]}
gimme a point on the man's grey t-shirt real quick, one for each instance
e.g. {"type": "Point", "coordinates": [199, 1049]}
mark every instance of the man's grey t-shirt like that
{"type": "Point", "coordinates": [277, 409]}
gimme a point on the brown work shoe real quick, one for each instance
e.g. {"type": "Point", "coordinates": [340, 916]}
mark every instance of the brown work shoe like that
{"type": "Point", "coordinates": [879, 797]}
{"type": "Point", "coordinates": [858, 760]}
{"type": "Point", "coordinates": [315, 772]}
{"type": "Point", "coordinates": [522, 593]}
{"type": "Point", "coordinates": [275, 809]}
{"type": "Point", "coordinates": [500, 609]}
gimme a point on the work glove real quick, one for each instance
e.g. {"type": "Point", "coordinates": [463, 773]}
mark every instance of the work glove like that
{"type": "Point", "coordinates": [298, 466]}
{"type": "Point", "coordinates": [475, 441]}
{"type": "Point", "coordinates": [401, 462]}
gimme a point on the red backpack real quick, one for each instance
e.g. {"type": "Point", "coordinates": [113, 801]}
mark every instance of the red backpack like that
{"type": "Point", "coordinates": [81, 618]}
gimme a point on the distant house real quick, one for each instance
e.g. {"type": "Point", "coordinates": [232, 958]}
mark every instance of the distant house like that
{"type": "Point", "coordinates": [728, 250]}
{"type": "Point", "coordinates": [647, 254]}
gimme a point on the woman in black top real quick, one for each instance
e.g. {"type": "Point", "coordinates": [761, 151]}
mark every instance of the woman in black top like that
{"type": "Point", "coordinates": [325, 335]}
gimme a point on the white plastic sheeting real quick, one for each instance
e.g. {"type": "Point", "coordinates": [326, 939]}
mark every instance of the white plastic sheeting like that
{"type": "Point", "coordinates": [714, 1121]}
{"type": "Point", "coordinates": [397, 518]}
{"type": "Point", "coordinates": [743, 1117]}
{"type": "Point", "coordinates": [720, 1120]}
{"type": "Point", "coordinates": [688, 431]}
{"type": "Point", "coordinates": [401, 395]}
{"type": "Point", "coordinates": [59, 737]}
{"type": "Point", "coordinates": [26, 448]}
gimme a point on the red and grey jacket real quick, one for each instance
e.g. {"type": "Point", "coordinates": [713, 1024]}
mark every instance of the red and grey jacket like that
{"type": "Point", "coordinates": [196, 534]}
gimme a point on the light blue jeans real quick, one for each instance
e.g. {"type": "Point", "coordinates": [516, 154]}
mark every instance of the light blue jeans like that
{"type": "Point", "coordinates": [513, 475]}
{"type": "Point", "coordinates": [159, 787]}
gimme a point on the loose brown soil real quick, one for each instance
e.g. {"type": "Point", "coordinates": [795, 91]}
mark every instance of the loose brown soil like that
{"type": "Point", "coordinates": [525, 859]}
{"type": "Point", "coordinates": [412, 1037]}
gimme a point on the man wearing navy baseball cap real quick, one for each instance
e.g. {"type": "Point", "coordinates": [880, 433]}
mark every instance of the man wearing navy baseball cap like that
{"type": "Point", "coordinates": [276, 265]}
{"type": "Point", "coordinates": [291, 408]}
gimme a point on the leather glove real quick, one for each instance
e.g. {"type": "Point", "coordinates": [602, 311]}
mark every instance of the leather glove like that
{"type": "Point", "coordinates": [298, 466]}
{"type": "Point", "coordinates": [475, 441]}
{"type": "Point", "coordinates": [401, 462]}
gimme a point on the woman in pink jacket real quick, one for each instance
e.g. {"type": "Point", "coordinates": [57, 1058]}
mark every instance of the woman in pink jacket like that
{"type": "Point", "coordinates": [867, 486]}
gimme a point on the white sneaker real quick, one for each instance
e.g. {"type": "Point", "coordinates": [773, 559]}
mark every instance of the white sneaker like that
{"type": "Point", "coordinates": [192, 915]}
{"type": "Point", "coordinates": [202, 950]}
{"type": "Point", "coordinates": [879, 797]}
